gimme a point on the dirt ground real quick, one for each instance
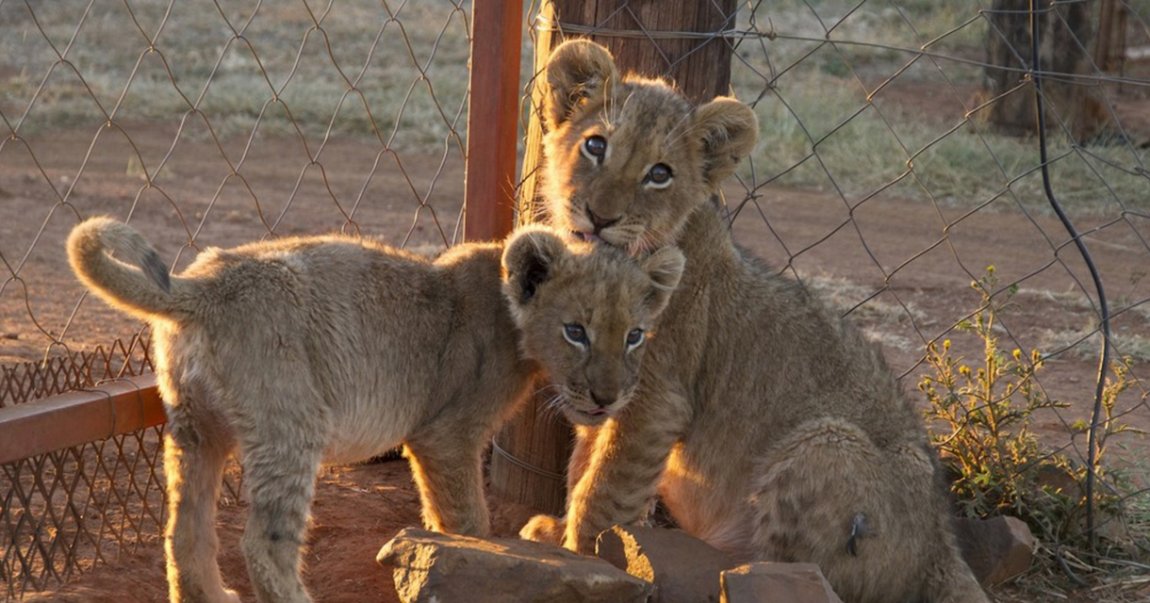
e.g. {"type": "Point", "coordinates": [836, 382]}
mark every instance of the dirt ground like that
{"type": "Point", "coordinates": [357, 510]}
{"type": "Point", "coordinates": [921, 256]}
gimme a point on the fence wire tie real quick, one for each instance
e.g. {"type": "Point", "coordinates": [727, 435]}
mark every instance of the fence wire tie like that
{"type": "Point", "coordinates": [556, 26]}
{"type": "Point", "coordinates": [524, 465]}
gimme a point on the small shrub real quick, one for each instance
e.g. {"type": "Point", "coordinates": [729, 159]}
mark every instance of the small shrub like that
{"type": "Point", "coordinates": [998, 464]}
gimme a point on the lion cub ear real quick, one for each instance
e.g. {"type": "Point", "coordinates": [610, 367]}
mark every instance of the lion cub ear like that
{"type": "Point", "coordinates": [730, 130]}
{"type": "Point", "coordinates": [665, 268]}
{"type": "Point", "coordinates": [529, 259]}
{"type": "Point", "coordinates": [578, 71]}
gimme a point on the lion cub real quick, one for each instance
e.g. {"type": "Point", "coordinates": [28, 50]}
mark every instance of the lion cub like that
{"type": "Point", "coordinates": [329, 348]}
{"type": "Point", "coordinates": [770, 428]}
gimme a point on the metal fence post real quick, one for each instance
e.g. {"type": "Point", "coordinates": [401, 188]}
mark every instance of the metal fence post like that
{"type": "Point", "coordinates": [492, 121]}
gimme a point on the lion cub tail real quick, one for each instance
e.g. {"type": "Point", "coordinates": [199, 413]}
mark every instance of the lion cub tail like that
{"type": "Point", "coordinates": [138, 283]}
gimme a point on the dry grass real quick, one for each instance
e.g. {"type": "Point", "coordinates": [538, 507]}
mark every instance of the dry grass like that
{"type": "Point", "coordinates": [829, 122]}
{"type": "Point", "coordinates": [350, 68]}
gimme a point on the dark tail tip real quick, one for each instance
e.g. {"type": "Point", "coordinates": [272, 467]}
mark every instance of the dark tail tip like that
{"type": "Point", "coordinates": [155, 268]}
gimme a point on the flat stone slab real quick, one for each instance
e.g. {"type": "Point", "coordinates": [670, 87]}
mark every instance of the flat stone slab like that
{"type": "Point", "coordinates": [683, 568]}
{"type": "Point", "coordinates": [446, 568]}
{"type": "Point", "coordinates": [770, 582]}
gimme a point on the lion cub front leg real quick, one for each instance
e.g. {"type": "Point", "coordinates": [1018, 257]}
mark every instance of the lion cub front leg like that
{"type": "Point", "coordinates": [449, 474]}
{"type": "Point", "coordinates": [623, 473]}
{"type": "Point", "coordinates": [550, 529]}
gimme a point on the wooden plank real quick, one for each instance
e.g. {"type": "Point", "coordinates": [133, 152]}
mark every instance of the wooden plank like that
{"type": "Point", "coordinates": [492, 120]}
{"type": "Point", "coordinates": [57, 422]}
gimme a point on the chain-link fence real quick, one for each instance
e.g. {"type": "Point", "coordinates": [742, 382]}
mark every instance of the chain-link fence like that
{"type": "Point", "coordinates": [201, 123]}
{"type": "Point", "coordinates": [902, 173]}
{"type": "Point", "coordinates": [898, 161]}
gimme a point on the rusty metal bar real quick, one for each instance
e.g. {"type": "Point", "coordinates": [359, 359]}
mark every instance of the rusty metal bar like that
{"type": "Point", "coordinates": [116, 407]}
{"type": "Point", "coordinates": [492, 120]}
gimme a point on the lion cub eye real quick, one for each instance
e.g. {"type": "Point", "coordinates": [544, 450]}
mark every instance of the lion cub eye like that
{"type": "Point", "coordinates": [635, 338]}
{"type": "Point", "coordinates": [595, 148]}
{"type": "Point", "coordinates": [575, 334]}
{"type": "Point", "coordinates": [659, 176]}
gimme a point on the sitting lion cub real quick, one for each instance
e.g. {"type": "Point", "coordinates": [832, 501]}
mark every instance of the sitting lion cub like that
{"type": "Point", "coordinates": [331, 348]}
{"type": "Point", "coordinates": [770, 428]}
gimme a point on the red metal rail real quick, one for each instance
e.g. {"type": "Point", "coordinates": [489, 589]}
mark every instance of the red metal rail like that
{"type": "Point", "coordinates": [493, 119]}
{"type": "Point", "coordinates": [113, 408]}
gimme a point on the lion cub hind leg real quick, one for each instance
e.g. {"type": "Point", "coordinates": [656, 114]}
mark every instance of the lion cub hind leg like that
{"type": "Point", "coordinates": [280, 478]}
{"type": "Point", "coordinates": [281, 455]}
{"type": "Point", "coordinates": [195, 449]}
{"type": "Point", "coordinates": [868, 517]}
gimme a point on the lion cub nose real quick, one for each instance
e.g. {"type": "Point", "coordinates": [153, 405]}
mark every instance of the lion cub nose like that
{"type": "Point", "coordinates": [602, 401]}
{"type": "Point", "coordinates": [600, 222]}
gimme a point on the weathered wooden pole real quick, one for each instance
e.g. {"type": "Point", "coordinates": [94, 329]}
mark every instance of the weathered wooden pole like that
{"type": "Point", "coordinates": [681, 41]}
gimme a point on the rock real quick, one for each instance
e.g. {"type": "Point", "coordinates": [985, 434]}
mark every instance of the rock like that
{"type": "Point", "coordinates": [996, 549]}
{"type": "Point", "coordinates": [770, 582]}
{"type": "Point", "coordinates": [446, 568]}
{"type": "Point", "coordinates": [1058, 479]}
{"type": "Point", "coordinates": [683, 568]}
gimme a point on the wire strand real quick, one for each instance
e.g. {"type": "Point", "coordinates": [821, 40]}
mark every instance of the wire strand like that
{"type": "Point", "coordinates": [1104, 312]}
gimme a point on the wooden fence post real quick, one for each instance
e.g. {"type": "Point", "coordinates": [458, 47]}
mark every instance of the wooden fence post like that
{"type": "Point", "coordinates": [652, 38]}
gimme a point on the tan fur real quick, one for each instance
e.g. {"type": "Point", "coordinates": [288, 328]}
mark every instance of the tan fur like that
{"type": "Point", "coordinates": [303, 350]}
{"type": "Point", "coordinates": [769, 427]}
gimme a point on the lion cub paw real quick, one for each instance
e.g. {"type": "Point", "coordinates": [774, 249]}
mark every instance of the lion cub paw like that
{"type": "Point", "coordinates": [544, 528]}
{"type": "Point", "coordinates": [229, 596]}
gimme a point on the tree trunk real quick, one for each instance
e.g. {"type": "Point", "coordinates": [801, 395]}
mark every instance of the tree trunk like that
{"type": "Point", "coordinates": [1065, 35]}
{"type": "Point", "coordinates": [646, 36]}
{"type": "Point", "coordinates": [1110, 49]}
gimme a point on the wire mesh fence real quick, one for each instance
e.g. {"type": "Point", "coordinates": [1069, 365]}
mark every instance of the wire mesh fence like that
{"type": "Point", "coordinates": [897, 162]}
{"type": "Point", "coordinates": [95, 500]}
{"type": "Point", "coordinates": [907, 119]}
{"type": "Point", "coordinates": [202, 124]}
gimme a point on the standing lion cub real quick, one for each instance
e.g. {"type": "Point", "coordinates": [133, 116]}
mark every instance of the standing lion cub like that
{"type": "Point", "coordinates": [770, 428]}
{"type": "Point", "coordinates": [330, 348]}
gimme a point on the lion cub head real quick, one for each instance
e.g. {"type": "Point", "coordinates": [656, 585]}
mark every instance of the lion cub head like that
{"type": "Point", "coordinates": [628, 159]}
{"type": "Point", "coordinates": [585, 312]}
